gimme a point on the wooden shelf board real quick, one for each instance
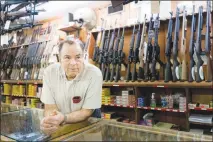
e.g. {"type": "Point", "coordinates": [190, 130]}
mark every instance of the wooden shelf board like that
{"type": "Point", "coordinates": [21, 96]}
{"type": "Point", "coordinates": [16, 46]}
{"type": "Point", "coordinates": [157, 84]}
{"type": "Point", "coordinates": [70, 28]}
{"type": "Point", "coordinates": [162, 109]}
{"type": "Point", "coordinates": [5, 95]}
{"type": "Point", "coordinates": [204, 109]}
{"type": "Point", "coordinates": [22, 81]}
{"type": "Point", "coordinates": [126, 106]}
{"type": "Point", "coordinates": [161, 84]}
{"type": "Point", "coordinates": [18, 96]}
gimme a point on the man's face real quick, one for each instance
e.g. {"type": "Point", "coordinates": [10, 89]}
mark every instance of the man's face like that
{"type": "Point", "coordinates": [71, 58]}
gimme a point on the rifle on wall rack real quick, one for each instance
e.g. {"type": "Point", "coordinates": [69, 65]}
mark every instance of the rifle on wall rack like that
{"type": "Point", "coordinates": [135, 58]}
{"type": "Point", "coordinates": [109, 55]}
{"type": "Point", "coordinates": [120, 57]}
{"type": "Point", "coordinates": [200, 75]}
{"type": "Point", "coordinates": [183, 48]}
{"type": "Point", "coordinates": [141, 51]}
{"type": "Point", "coordinates": [175, 71]}
{"type": "Point", "coordinates": [192, 48]}
{"type": "Point", "coordinates": [98, 43]}
{"type": "Point", "coordinates": [156, 51]}
{"type": "Point", "coordinates": [103, 59]}
{"type": "Point", "coordinates": [208, 43]}
{"type": "Point", "coordinates": [168, 70]}
{"type": "Point", "coordinates": [131, 52]}
{"type": "Point", "coordinates": [115, 56]}
{"type": "Point", "coordinates": [148, 52]}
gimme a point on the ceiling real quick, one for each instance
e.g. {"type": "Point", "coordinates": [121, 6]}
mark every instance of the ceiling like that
{"type": "Point", "coordinates": [60, 8]}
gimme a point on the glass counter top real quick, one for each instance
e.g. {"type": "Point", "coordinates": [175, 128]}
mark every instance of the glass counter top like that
{"type": "Point", "coordinates": [116, 131]}
{"type": "Point", "coordinates": [23, 124]}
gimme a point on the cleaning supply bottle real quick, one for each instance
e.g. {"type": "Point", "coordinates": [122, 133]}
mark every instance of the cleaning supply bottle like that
{"type": "Point", "coordinates": [170, 101]}
{"type": "Point", "coordinates": [153, 102]}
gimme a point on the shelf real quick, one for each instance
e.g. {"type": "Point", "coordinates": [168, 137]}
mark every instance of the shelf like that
{"type": "Point", "coordinates": [198, 123]}
{"type": "Point", "coordinates": [33, 97]}
{"type": "Point", "coordinates": [22, 81]}
{"type": "Point", "coordinates": [118, 105]}
{"type": "Point", "coordinates": [70, 28]}
{"type": "Point", "coordinates": [18, 96]}
{"type": "Point", "coordinates": [21, 96]}
{"type": "Point", "coordinates": [161, 84]}
{"type": "Point", "coordinates": [156, 84]}
{"type": "Point", "coordinates": [148, 108]}
{"type": "Point", "coordinates": [162, 109]}
{"type": "Point", "coordinates": [5, 95]}
{"type": "Point", "coordinates": [205, 109]}
{"type": "Point", "coordinates": [23, 45]}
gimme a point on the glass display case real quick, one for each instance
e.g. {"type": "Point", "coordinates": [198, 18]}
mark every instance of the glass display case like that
{"type": "Point", "coordinates": [117, 131]}
{"type": "Point", "coordinates": [23, 124]}
{"type": "Point", "coordinates": [9, 107]}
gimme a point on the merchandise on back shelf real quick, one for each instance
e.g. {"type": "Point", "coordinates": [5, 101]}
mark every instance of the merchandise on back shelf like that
{"type": "Point", "coordinates": [127, 98]}
{"type": "Point", "coordinates": [167, 101]}
{"type": "Point", "coordinates": [34, 102]}
{"type": "Point", "coordinates": [106, 96]}
{"type": "Point", "coordinates": [32, 90]}
{"type": "Point", "coordinates": [39, 92]}
{"type": "Point", "coordinates": [164, 102]}
{"type": "Point", "coordinates": [192, 106]}
{"type": "Point", "coordinates": [171, 102]}
{"type": "Point", "coordinates": [18, 90]}
{"type": "Point", "coordinates": [153, 101]}
{"type": "Point", "coordinates": [7, 89]}
{"type": "Point", "coordinates": [211, 104]}
{"type": "Point", "coordinates": [18, 101]}
{"type": "Point", "coordinates": [182, 103]}
{"type": "Point", "coordinates": [141, 102]}
{"type": "Point", "coordinates": [148, 119]}
{"type": "Point", "coordinates": [8, 100]}
{"type": "Point", "coordinates": [204, 105]}
{"type": "Point", "coordinates": [109, 115]}
{"type": "Point", "coordinates": [201, 118]}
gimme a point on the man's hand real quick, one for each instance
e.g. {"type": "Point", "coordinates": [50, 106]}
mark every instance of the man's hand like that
{"type": "Point", "coordinates": [50, 124]}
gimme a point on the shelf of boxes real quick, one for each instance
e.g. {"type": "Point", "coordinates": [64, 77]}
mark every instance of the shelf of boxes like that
{"type": "Point", "coordinates": [126, 106]}
{"type": "Point", "coordinates": [162, 109]}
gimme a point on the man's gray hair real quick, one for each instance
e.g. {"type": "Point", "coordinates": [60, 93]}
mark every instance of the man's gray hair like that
{"type": "Point", "coordinates": [71, 42]}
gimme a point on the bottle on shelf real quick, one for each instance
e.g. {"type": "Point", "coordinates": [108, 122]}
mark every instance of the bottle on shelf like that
{"type": "Point", "coordinates": [153, 101]}
{"type": "Point", "coordinates": [170, 102]}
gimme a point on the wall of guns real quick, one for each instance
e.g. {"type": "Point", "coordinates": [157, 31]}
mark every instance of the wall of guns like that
{"type": "Point", "coordinates": [109, 55]}
{"type": "Point", "coordinates": [13, 10]}
{"type": "Point", "coordinates": [26, 55]}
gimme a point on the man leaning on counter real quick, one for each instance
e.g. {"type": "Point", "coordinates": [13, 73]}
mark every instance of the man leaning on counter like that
{"type": "Point", "coordinates": [71, 88]}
